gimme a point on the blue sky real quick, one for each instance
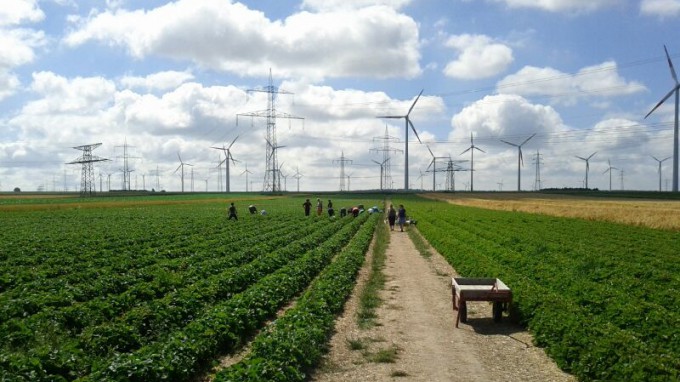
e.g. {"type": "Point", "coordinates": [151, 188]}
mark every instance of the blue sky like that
{"type": "Point", "coordinates": [170, 77]}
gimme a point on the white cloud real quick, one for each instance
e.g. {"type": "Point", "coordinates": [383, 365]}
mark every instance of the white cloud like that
{"type": "Point", "coordinates": [600, 80]}
{"type": "Point", "coordinates": [504, 115]}
{"type": "Point", "coordinates": [661, 8]}
{"type": "Point", "coordinates": [9, 84]}
{"type": "Point", "coordinates": [561, 5]}
{"type": "Point", "coordinates": [328, 5]}
{"type": "Point", "coordinates": [157, 81]}
{"type": "Point", "coordinates": [479, 57]}
{"type": "Point", "coordinates": [17, 46]}
{"type": "Point", "coordinates": [15, 12]}
{"type": "Point", "coordinates": [374, 41]}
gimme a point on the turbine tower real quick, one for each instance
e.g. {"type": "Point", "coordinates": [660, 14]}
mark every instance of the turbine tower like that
{"type": "Point", "coordinates": [520, 160]}
{"type": "Point", "coordinates": [587, 160]}
{"type": "Point", "coordinates": [676, 90]}
{"type": "Point", "coordinates": [472, 149]}
{"type": "Point", "coordinates": [87, 172]}
{"type": "Point", "coordinates": [660, 161]}
{"type": "Point", "coordinates": [433, 164]}
{"type": "Point", "coordinates": [385, 168]}
{"type": "Point", "coordinates": [407, 122]}
{"type": "Point", "coordinates": [272, 180]}
{"type": "Point", "coordinates": [181, 166]}
{"type": "Point", "coordinates": [228, 156]}
{"type": "Point", "coordinates": [297, 176]}
{"type": "Point", "coordinates": [246, 171]}
{"type": "Point", "coordinates": [609, 170]}
{"type": "Point", "coordinates": [382, 170]}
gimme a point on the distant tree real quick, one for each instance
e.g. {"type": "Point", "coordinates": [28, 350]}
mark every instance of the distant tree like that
{"type": "Point", "coordinates": [17, 189]}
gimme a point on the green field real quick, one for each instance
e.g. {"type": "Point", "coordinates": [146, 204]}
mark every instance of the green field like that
{"type": "Point", "coordinates": [151, 289]}
{"type": "Point", "coordinates": [159, 287]}
{"type": "Point", "coordinates": [601, 297]}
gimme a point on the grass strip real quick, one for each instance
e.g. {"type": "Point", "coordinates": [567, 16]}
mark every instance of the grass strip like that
{"type": "Point", "coordinates": [369, 300]}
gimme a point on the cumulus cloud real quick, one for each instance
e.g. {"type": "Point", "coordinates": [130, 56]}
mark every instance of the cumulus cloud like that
{"type": "Point", "coordinates": [373, 41]}
{"type": "Point", "coordinates": [479, 57]}
{"type": "Point", "coordinates": [326, 5]}
{"type": "Point", "coordinates": [157, 81]}
{"type": "Point", "coordinates": [509, 116]}
{"type": "Point", "coordinates": [15, 12]}
{"type": "Point", "coordinates": [561, 5]}
{"type": "Point", "coordinates": [660, 8]}
{"type": "Point", "coordinates": [600, 80]}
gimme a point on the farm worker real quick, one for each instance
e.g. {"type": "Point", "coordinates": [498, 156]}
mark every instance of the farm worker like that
{"type": "Point", "coordinates": [331, 211]}
{"type": "Point", "coordinates": [232, 212]}
{"type": "Point", "coordinates": [355, 211]}
{"type": "Point", "coordinates": [319, 207]}
{"type": "Point", "coordinates": [252, 209]}
{"type": "Point", "coordinates": [391, 216]}
{"type": "Point", "coordinates": [401, 215]}
{"type": "Point", "coordinates": [308, 206]}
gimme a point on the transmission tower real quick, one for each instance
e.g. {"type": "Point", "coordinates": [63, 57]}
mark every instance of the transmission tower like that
{"type": "Point", "coordinates": [272, 177]}
{"type": "Point", "coordinates": [87, 172]}
{"type": "Point", "coordinates": [385, 148]}
{"type": "Point", "coordinates": [126, 166]}
{"type": "Point", "coordinates": [342, 162]}
{"type": "Point", "coordinates": [538, 158]}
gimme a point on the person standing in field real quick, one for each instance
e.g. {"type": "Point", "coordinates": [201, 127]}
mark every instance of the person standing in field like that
{"type": "Point", "coordinates": [308, 206]}
{"type": "Point", "coordinates": [401, 215]}
{"type": "Point", "coordinates": [391, 216]}
{"type": "Point", "coordinates": [232, 212]}
{"type": "Point", "coordinates": [331, 211]}
{"type": "Point", "coordinates": [319, 207]}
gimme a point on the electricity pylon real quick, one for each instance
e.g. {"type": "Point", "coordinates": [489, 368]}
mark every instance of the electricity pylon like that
{"type": "Point", "coordinates": [272, 177]}
{"type": "Point", "coordinates": [342, 162]}
{"type": "Point", "coordinates": [87, 172]}
{"type": "Point", "coordinates": [385, 164]}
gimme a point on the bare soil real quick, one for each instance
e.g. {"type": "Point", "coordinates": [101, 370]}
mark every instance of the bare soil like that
{"type": "Point", "coordinates": [416, 338]}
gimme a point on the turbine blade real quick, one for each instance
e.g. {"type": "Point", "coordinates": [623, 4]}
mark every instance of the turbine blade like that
{"type": "Point", "coordinates": [511, 144]}
{"type": "Point", "coordinates": [581, 158]}
{"type": "Point", "coordinates": [414, 129]}
{"type": "Point", "coordinates": [521, 159]}
{"type": "Point", "coordinates": [232, 142]}
{"type": "Point", "coordinates": [477, 148]}
{"type": "Point", "coordinates": [414, 102]}
{"type": "Point", "coordinates": [606, 171]}
{"type": "Point", "coordinates": [466, 150]}
{"type": "Point", "coordinates": [390, 116]}
{"type": "Point", "coordinates": [670, 65]}
{"type": "Point", "coordinates": [662, 100]}
{"type": "Point", "coordinates": [527, 140]}
{"type": "Point", "coordinates": [180, 158]}
{"type": "Point", "coordinates": [428, 149]}
{"type": "Point", "coordinates": [591, 155]}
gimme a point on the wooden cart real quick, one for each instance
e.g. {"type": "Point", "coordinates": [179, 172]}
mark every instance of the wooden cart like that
{"type": "Point", "coordinates": [465, 289]}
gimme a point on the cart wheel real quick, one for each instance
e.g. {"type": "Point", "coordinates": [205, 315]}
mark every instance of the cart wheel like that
{"type": "Point", "coordinates": [497, 311]}
{"type": "Point", "coordinates": [462, 305]}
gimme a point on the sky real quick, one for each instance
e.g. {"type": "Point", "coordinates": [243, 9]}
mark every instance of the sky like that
{"type": "Point", "coordinates": [153, 81]}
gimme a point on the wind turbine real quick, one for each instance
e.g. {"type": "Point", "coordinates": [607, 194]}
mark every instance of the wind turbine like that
{"type": "Point", "coordinates": [297, 176]}
{"type": "Point", "coordinates": [228, 156]}
{"type": "Point", "coordinates": [676, 90]}
{"type": "Point", "coordinates": [382, 166]}
{"type": "Point", "coordinates": [609, 169]}
{"type": "Point", "coordinates": [246, 171]}
{"type": "Point", "coordinates": [181, 166]}
{"type": "Point", "coordinates": [433, 164]}
{"type": "Point", "coordinates": [520, 160]}
{"type": "Point", "coordinates": [472, 149]}
{"type": "Point", "coordinates": [407, 122]}
{"type": "Point", "coordinates": [660, 161]}
{"type": "Point", "coordinates": [587, 160]}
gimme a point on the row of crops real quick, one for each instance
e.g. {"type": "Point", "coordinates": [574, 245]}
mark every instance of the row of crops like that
{"type": "Point", "coordinates": [602, 298]}
{"type": "Point", "coordinates": [145, 291]}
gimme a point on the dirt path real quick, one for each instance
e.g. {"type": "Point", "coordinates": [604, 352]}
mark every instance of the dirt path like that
{"type": "Point", "coordinates": [416, 339]}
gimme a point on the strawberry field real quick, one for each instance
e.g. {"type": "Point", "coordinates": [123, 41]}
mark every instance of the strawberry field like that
{"type": "Point", "coordinates": [159, 288]}
{"type": "Point", "coordinates": [601, 297]}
